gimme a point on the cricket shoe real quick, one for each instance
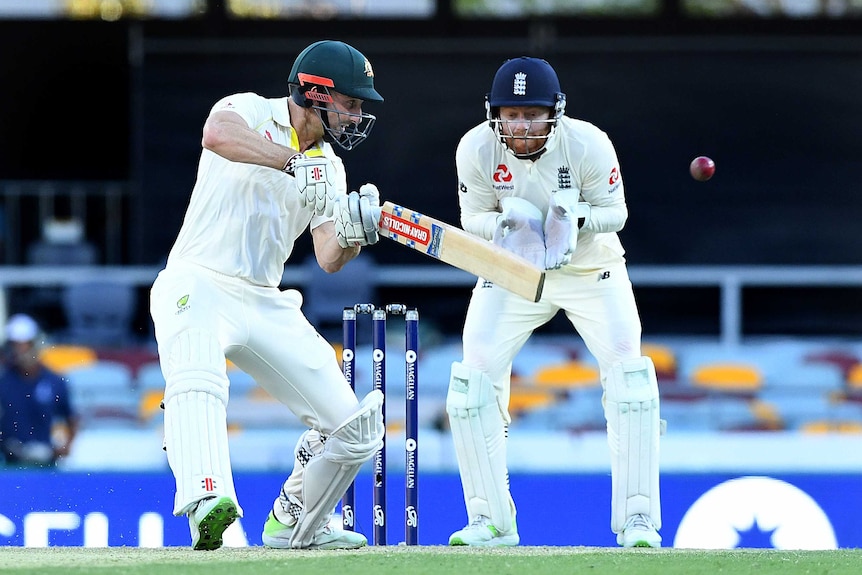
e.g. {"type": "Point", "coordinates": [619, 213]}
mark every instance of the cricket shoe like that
{"type": "Point", "coordinates": [639, 531]}
{"type": "Point", "coordinates": [480, 533]}
{"type": "Point", "coordinates": [209, 519]}
{"type": "Point", "coordinates": [276, 535]}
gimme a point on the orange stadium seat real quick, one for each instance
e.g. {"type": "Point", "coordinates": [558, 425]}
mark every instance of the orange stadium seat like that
{"type": "Point", "coordinates": [522, 400]}
{"type": "Point", "coordinates": [62, 358]}
{"type": "Point", "coordinates": [728, 377]}
{"type": "Point", "coordinates": [828, 426]}
{"type": "Point", "coordinates": [569, 375]}
{"type": "Point", "coordinates": [662, 357]}
{"type": "Point", "coordinates": [854, 377]}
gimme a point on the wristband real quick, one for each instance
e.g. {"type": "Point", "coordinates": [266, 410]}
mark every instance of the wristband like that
{"type": "Point", "coordinates": [290, 164]}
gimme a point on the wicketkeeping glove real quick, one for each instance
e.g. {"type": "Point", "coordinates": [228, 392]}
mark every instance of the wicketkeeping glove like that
{"type": "Point", "coordinates": [357, 216]}
{"type": "Point", "coordinates": [561, 235]}
{"type": "Point", "coordinates": [520, 230]}
{"type": "Point", "coordinates": [315, 181]}
{"type": "Point", "coordinates": [562, 223]}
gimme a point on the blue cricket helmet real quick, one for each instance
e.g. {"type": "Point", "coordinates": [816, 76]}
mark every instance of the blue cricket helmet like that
{"type": "Point", "coordinates": [526, 81]}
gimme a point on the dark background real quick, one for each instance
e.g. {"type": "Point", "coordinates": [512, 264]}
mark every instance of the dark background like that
{"type": "Point", "coordinates": [777, 105]}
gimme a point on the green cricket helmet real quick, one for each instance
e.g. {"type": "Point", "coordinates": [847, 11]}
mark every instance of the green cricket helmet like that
{"type": "Point", "coordinates": [332, 65]}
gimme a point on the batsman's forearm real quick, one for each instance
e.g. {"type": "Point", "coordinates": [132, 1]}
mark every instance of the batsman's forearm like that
{"type": "Point", "coordinates": [330, 255]}
{"type": "Point", "coordinates": [234, 141]}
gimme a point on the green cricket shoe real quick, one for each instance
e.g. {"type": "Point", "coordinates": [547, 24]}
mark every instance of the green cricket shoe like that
{"type": "Point", "coordinates": [209, 520]}
{"type": "Point", "coordinates": [639, 531]}
{"type": "Point", "coordinates": [481, 533]}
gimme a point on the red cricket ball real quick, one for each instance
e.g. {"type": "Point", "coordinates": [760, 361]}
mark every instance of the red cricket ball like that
{"type": "Point", "coordinates": [702, 168]}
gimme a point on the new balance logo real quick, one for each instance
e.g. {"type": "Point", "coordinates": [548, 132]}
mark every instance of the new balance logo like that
{"type": "Point", "coordinates": [604, 275]}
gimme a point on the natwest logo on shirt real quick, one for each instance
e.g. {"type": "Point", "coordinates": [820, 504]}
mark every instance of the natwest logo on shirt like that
{"type": "Point", "coordinates": [502, 174]}
{"type": "Point", "coordinates": [615, 176]}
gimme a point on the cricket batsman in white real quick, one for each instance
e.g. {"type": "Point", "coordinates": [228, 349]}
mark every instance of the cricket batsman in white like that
{"type": "Point", "coordinates": [267, 173]}
{"type": "Point", "coordinates": [548, 187]}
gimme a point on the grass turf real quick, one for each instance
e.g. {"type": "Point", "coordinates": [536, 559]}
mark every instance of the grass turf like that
{"type": "Point", "coordinates": [430, 560]}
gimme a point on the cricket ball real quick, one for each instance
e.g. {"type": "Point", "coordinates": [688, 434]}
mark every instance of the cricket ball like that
{"type": "Point", "coordinates": [702, 168]}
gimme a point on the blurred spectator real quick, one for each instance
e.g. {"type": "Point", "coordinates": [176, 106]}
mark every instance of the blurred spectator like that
{"type": "Point", "coordinates": [34, 401]}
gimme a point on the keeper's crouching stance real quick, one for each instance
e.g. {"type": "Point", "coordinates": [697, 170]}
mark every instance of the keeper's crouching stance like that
{"type": "Point", "coordinates": [548, 187]}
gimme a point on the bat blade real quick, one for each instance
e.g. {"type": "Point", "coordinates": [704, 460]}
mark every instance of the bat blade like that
{"type": "Point", "coordinates": [460, 249]}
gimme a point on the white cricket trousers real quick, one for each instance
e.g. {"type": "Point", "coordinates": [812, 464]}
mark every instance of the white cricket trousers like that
{"type": "Point", "coordinates": [263, 331]}
{"type": "Point", "coordinates": [599, 304]}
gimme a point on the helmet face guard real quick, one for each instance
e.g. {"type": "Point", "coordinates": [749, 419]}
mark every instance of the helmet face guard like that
{"type": "Point", "coordinates": [525, 82]}
{"type": "Point", "coordinates": [330, 66]}
{"type": "Point", "coordinates": [314, 92]}
{"type": "Point", "coordinates": [506, 134]}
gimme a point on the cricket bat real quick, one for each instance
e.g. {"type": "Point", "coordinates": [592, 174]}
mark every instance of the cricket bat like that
{"type": "Point", "coordinates": [462, 250]}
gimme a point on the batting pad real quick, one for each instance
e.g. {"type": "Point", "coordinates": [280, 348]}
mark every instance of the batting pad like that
{"type": "Point", "coordinates": [632, 412]}
{"type": "Point", "coordinates": [196, 440]}
{"type": "Point", "coordinates": [480, 445]}
{"type": "Point", "coordinates": [328, 474]}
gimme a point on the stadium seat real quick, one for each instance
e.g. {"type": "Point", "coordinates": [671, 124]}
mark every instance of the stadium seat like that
{"type": "Point", "coordinates": [326, 295]}
{"type": "Point", "coordinates": [538, 353]}
{"type": "Point", "coordinates": [854, 377]}
{"type": "Point", "coordinates": [664, 359]}
{"type": "Point", "coordinates": [99, 313]}
{"type": "Point", "coordinates": [726, 377]}
{"type": "Point", "coordinates": [241, 383]}
{"type": "Point", "coordinates": [61, 358]}
{"type": "Point", "coordinates": [842, 359]}
{"type": "Point", "coordinates": [830, 426]}
{"type": "Point", "coordinates": [581, 411]}
{"type": "Point", "coordinates": [103, 395]}
{"type": "Point", "coordinates": [817, 377]}
{"type": "Point", "coordinates": [522, 400]}
{"type": "Point", "coordinates": [569, 375]}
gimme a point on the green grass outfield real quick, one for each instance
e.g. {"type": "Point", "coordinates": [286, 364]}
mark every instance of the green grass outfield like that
{"type": "Point", "coordinates": [430, 560]}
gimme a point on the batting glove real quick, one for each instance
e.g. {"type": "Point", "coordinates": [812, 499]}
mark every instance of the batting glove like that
{"type": "Point", "coordinates": [353, 214]}
{"type": "Point", "coordinates": [315, 181]}
{"type": "Point", "coordinates": [369, 208]}
{"type": "Point", "coordinates": [519, 230]}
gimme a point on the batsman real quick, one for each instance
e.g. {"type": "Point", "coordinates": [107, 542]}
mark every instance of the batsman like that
{"type": "Point", "coordinates": [268, 172]}
{"type": "Point", "coordinates": [548, 187]}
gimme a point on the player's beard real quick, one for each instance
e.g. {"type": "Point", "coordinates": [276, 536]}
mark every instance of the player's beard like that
{"type": "Point", "coordinates": [524, 146]}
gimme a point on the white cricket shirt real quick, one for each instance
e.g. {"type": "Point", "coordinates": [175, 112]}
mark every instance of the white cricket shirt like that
{"type": "Point", "coordinates": [243, 220]}
{"type": "Point", "coordinates": [579, 159]}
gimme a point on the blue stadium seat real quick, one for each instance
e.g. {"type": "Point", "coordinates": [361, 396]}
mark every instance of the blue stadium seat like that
{"type": "Point", "coordinates": [104, 395]}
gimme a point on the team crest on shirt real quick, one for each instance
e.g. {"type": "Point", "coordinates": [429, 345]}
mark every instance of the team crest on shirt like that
{"type": "Point", "coordinates": [182, 304]}
{"type": "Point", "coordinates": [564, 178]}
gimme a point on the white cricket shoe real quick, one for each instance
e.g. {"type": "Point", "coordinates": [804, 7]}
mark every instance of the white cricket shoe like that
{"type": "Point", "coordinates": [276, 535]}
{"type": "Point", "coordinates": [480, 533]}
{"type": "Point", "coordinates": [639, 531]}
{"type": "Point", "coordinates": [208, 520]}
